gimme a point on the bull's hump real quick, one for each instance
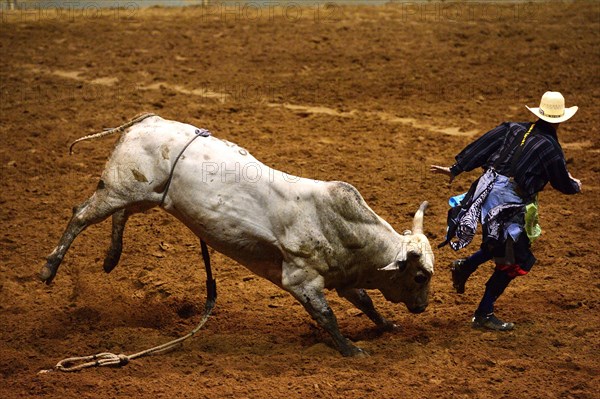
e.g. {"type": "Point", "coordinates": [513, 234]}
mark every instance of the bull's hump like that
{"type": "Point", "coordinates": [348, 202]}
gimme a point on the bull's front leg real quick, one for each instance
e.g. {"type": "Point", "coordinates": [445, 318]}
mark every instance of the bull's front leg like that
{"type": "Point", "coordinates": [360, 299]}
{"type": "Point", "coordinates": [307, 287]}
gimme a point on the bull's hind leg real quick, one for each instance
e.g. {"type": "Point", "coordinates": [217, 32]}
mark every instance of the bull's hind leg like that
{"type": "Point", "coordinates": [119, 219]}
{"type": "Point", "coordinates": [94, 210]}
{"type": "Point", "coordinates": [360, 299]}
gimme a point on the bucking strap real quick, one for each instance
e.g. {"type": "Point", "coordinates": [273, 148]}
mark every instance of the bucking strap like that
{"type": "Point", "coordinates": [197, 133]}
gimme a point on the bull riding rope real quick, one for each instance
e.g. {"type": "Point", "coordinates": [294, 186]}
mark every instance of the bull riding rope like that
{"type": "Point", "coordinates": [110, 359]}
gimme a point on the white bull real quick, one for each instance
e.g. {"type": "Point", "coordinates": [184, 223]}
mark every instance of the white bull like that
{"type": "Point", "coordinates": [302, 235]}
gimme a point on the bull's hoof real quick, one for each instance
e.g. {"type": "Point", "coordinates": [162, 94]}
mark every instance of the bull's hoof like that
{"type": "Point", "coordinates": [355, 351]}
{"type": "Point", "coordinates": [112, 258]}
{"type": "Point", "coordinates": [388, 326]}
{"type": "Point", "coordinates": [361, 353]}
{"type": "Point", "coordinates": [109, 264]}
{"type": "Point", "coordinates": [47, 274]}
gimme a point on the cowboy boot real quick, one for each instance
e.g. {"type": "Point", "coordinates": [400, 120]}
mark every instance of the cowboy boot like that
{"type": "Point", "coordinates": [459, 275]}
{"type": "Point", "coordinates": [490, 322]}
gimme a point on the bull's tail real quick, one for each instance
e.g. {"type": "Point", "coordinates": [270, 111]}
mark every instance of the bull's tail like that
{"type": "Point", "coordinates": [418, 219]}
{"type": "Point", "coordinates": [108, 132]}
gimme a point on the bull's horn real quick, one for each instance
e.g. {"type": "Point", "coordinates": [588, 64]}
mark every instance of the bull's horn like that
{"type": "Point", "coordinates": [418, 219]}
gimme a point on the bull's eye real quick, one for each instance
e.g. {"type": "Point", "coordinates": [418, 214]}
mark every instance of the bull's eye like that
{"type": "Point", "coordinates": [420, 278]}
{"type": "Point", "coordinates": [401, 265]}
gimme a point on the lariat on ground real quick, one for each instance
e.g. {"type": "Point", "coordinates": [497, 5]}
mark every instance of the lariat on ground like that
{"type": "Point", "coordinates": [111, 359]}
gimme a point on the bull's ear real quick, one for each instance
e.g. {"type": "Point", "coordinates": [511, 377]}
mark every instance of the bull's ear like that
{"type": "Point", "coordinates": [399, 265]}
{"type": "Point", "coordinates": [391, 266]}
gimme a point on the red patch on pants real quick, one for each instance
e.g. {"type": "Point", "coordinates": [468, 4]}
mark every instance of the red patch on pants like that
{"type": "Point", "coordinates": [513, 270]}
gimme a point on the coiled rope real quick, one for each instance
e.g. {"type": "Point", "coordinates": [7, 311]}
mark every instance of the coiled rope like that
{"type": "Point", "coordinates": [110, 359]}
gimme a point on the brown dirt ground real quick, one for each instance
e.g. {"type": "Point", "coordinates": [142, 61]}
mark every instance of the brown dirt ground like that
{"type": "Point", "coordinates": [368, 95]}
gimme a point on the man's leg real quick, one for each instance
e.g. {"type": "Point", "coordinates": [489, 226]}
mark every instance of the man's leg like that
{"type": "Point", "coordinates": [463, 268]}
{"type": "Point", "coordinates": [500, 279]}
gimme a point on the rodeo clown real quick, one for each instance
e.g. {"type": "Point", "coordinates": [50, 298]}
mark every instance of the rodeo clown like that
{"type": "Point", "coordinates": [518, 159]}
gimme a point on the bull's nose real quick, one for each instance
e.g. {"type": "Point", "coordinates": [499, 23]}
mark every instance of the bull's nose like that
{"type": "Point", "coordinates": [417, 309]}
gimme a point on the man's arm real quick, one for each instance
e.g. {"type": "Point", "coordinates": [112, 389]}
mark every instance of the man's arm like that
{"type": "Point", "coordinates": [479, 152]}
{"type": "Point", "coordinates": [475, 154]}
{"type": "Point", "coordinates": [561, 179]}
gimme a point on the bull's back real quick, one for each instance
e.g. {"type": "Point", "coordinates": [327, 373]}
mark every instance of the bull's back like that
{"type": "Point", "coordinates": [221, 192]}
{"type": "Point", "coordinates": [241, 207]}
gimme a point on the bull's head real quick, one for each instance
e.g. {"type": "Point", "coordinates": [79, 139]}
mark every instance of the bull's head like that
{"type": "Point", "coordinates": [409, 275]}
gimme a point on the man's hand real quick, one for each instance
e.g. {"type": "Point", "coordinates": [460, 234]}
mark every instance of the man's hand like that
{"type": "Point", "coordinates": [443, 170]}
{"type": "Point", "coordinates": [577, 181]}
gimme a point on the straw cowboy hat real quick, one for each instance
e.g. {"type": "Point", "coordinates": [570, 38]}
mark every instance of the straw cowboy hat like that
{"type": "Point", "coordinates": [552, 108]}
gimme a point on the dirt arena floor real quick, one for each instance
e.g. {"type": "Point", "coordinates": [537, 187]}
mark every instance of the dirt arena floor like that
{"type": "Point", "coordinates": [367, 95]}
